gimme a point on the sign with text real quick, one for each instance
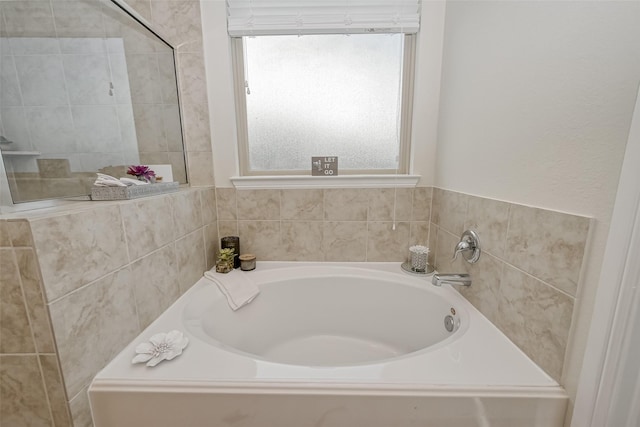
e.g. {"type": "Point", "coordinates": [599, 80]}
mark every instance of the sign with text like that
{"type": "Point", "coordinates": [324, 166]}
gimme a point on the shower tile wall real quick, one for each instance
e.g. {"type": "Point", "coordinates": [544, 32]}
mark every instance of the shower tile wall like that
{"type": "Point", "coordinates": [527, 278]}
{"type": "Point", "coordinates": [326, 225]}
{"type": "Point", "coordinates": [31, 389]}
{"type": "Point", "coordinates": [178, 21]}
{"type": "Point", "coordinates": [61, 120]}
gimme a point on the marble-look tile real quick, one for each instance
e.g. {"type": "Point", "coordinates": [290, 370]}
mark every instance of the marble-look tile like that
{"type": "Point", "coordinates": [15, 123]}
{"type": "Point", "coordinates": [155, 283]}
{"type": "Point", "coordinates": [536, 317]}
{"type": "Point", "coordinates": [302, 205]}
{"type": "Point", "coordinates": [149, 128]}
{"type": "Point", "coordinates": [28, 18]}
{"type": "Point", "coordinates": [200, 166]}
{"type": "Point", "coordinates": [422, 197]}
{"type": "Point", "coordinates": [226, 204]}
{"type": "Point", "coordinates": [168, 80]}
{"type": "Point", "coordinates": [433, 243]}
{"type": "Point", "coordinates": [211, 244]}
{"type": "Point", "coordinates": [144, 80]}
{"type": "Point", "coordinates": [549, 245]}
{"type": "Point", "coordinates": [258, 204]}
{"type": "Point", "coordinates": [34, 46]}
{"type": "Point", "coordinates": [344, 241]}
{"type": "Point", "coordinates": [261, 238]}
{"type": "Point", "coordinates": [81, 409]}
{"type": "Point", "coordinates": [172, 127]}
{"type": "Point", "coordinates": [10, 95]}
{"type": "Point", "coordinates": [179, 19]}
{"type": "Point", "coordinates": [484, 292]}
{"type": "Point", "coordinates": [41, 80]}
{"type": "Point", "coordinates": [177, 162]}
{"type": "Point", "coordinates": [23, 401]}
{"type": "Point", "coordinates": [148, 224]}
{"type": "Point", "coordinates": [193, 46]}
{"type": "Point", "coordinates": [5, 240]}
{"type": "Point", "coordinates": [191, 259]}
{"type": "Point", "coordinates": [91, 76]}
{"type": "Point", "coordinates": [209, 207]}
{"type": "Point", "coordinates": [31, 285]}
{"type": "Point", "coordinates": [191, 78]}
{"type": "Point", "coordinates": [79, 18]}
{"type": "Point", "coordinates": [20, 233]}
{"type": "Point", "coordinates": [15, 330]}
{"type": "Point", "coordinates": [227, 228]}
{"type": "Point", "coordinates": [143, 7]}
{"type": "Point", "coordinates": [187, 212]}
{"type": "Point", "coordinates": [490, 219]}
{"type": "Point", "coordinates": [96, 127]}
{"type": "Point", "coordinates": [302, 240]}
{"type": "Point", "coordinates": [384, 201]}
{"type": "Point", "coordinates": [51, 129]}
{"type": "Point", "coordinates": [386, 244]}
{"type": "Point", "coordinates": [419, 233]}
{"type": "Point", "coordinates": [196, 127]}
{"type": "Point", "coordinates": [449, 210]}
{"type": "Point", "coordinates": [92, 325]}
{"type": "Point", "coordinates": [55, 390]}
{"type": "Point", "coordinates": [345, 204]}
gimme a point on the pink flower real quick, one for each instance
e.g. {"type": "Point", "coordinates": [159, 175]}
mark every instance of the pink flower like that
{"type": "Point", "coordinates": [141, 171]}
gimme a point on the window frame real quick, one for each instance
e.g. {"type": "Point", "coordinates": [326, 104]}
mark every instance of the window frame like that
{"type": "Point", "coordinates": [406, 114]}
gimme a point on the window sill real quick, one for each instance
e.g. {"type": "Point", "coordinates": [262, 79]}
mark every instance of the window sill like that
{"type": "Point", "coordinates": [306, 182]}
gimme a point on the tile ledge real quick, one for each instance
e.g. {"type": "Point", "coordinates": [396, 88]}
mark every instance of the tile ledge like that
{"type": "Point", "coordinates": [309, 182]}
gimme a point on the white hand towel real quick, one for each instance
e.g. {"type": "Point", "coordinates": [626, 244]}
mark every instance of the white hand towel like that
{"type": "Point", "coordinates": [239, 289]}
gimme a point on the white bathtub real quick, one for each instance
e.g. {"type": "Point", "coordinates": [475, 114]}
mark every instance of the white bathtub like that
{"type": "Point", "coordinates": [328, 344]}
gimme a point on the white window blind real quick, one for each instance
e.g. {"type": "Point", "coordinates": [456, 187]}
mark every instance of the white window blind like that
{"type": "Point", "coordinates": [282, 17]}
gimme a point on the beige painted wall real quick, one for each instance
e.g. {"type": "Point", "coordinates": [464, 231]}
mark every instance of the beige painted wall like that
{"type": "Point", "coordinates": [536, 104]}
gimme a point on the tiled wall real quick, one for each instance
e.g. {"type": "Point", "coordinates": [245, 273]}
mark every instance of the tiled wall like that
{"type": "Point", "coordinates": [56, 101]}
{"type": "Point", "coordinates": [325, 224]}
{"type": "Point", "coordinates": [109, 270]}
{"type": "Point", "coordinates": [31, 389]}
{"type": "Point", "coordinates": [527, 277]}
{"type": "Point", "coordinates": [177, 20]}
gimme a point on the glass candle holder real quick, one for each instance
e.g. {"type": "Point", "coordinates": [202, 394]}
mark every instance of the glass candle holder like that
{"type": "Point", "coordinates": [419, 255]}
{"type": "Point", "coordinates": [232, 242]}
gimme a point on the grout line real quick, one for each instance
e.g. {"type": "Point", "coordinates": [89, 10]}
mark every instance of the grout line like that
{"type": "Point", "coordinates": [33, 335]}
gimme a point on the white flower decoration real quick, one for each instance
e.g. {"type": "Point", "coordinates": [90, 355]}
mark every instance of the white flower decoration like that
{"type": "Point", "coordinates": [161, 347]}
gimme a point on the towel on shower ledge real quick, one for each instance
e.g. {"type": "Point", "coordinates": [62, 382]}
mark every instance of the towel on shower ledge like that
{"type": "Point", "coordinates": [236, 286]}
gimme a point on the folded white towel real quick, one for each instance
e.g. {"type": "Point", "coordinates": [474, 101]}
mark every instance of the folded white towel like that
{"type": "Point", "coordinates": [239, 289]}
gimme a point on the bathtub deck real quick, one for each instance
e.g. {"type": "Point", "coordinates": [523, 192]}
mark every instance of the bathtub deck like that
{"type": "Point", "coordinates": [479, 379]}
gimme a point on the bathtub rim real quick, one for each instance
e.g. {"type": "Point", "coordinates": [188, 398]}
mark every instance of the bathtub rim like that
{"type": "Point", "coordinates": [172, 373]}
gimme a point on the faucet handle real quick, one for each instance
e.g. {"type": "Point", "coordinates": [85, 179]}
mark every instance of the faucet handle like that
{"type": "Point", "coordinates": [469, 246]}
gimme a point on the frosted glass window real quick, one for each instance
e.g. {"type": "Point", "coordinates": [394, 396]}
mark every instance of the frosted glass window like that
{"type": "Point", "coordinates": [323, 95]}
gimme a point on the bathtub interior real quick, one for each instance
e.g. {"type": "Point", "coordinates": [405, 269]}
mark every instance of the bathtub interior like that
{"type": "Point", "coordinates": [335, 320]}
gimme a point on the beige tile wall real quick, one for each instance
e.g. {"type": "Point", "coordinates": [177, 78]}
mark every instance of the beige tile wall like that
{"type": "Point", "coordinates": [325, 225]}
{"type": "Point", "coordinates": [31, 390]}
{"type": "Point", "coordinates": [527, 277]}
{"type": "Point", "coordinates": [109, 269]}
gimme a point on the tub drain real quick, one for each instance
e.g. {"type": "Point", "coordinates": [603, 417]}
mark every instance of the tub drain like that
{"type": "Point", "coordinates": [449, 323]}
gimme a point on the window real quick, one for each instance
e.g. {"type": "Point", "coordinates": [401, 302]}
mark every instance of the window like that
{"type": "Point", "coordinates": [324, 95]}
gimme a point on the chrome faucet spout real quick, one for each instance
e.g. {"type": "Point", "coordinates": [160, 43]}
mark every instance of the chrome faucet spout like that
{"type": "Point", "coordinates": [452, 279]}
